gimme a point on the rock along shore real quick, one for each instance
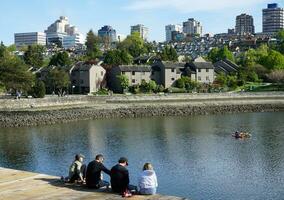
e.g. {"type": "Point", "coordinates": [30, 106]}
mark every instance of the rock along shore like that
{"type": "Point", "coordinates": [138, 106]}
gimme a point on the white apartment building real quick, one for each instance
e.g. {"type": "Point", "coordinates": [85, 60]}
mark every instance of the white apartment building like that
{"type": "Point", "coordinates": [25, 39]}
{"type": "Point", "coordinates": [62, 33]}
{"type": "Point", "coordinates": [192, 27]}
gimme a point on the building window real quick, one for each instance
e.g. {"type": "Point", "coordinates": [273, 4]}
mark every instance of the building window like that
{"type": "Point", "coordinates": [102, 73]}
{"type": "Point", "coordinates": [123, 72]}
{"type": "Point", "coordinates": [133, 73]}
{"type": "Point", "coordinates": [207, 78]}
{"type": "Point", "coordinates": [199, 78]}
{"type": "Point", "coordinates": [173, 79]}
{"type": "Point", "coordinates": [133, 80]}
{"type": "Point", "coordinates": [207, 70]}
{"type": "Point", "coordinates": [173, 70]}
{"type": "Point", "coordinates": [199, 70]}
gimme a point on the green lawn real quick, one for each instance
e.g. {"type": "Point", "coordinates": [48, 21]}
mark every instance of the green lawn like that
{"type": "Point", "coordinates": [262, 87]}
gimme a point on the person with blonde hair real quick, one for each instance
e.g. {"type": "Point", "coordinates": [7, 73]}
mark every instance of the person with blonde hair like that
{"type": "Point", "coordinates": [147, 182]}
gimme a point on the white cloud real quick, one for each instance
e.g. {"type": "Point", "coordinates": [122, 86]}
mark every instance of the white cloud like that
{"type": "Point", "coordinates": [188, 6]}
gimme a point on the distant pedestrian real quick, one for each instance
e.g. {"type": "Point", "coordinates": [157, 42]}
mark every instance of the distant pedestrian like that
{"type": "Point", "coordinates": [94, 177]}
{"type": "Point", "coordinates": [147, 182]}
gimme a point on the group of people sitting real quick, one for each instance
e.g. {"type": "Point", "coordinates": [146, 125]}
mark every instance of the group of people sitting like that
{"type": "Point", "coordinates": [92, 176]}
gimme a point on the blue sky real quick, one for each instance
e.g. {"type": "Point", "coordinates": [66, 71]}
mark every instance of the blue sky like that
{"type": "Point", "coordinates": [216, 16]}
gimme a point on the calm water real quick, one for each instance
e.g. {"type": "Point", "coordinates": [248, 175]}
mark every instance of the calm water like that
{"type": "Point", "coordinates": [194, 157]}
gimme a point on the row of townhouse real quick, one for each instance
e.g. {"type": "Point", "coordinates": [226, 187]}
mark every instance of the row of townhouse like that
{"type": "Point", "coordinates": [90, 77]}
{"type": "Point", "coordinates": [163, 73]}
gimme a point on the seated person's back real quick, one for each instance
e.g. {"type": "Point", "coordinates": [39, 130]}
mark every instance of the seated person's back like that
{"type": "Point", "coordinates": [94, 173]}
{"type": "Point", "coordinates": [77, 169]}
{"type": "Point", "coordinates": [147, 182]}
{"type": "Point", "coordinates": [120, 176]}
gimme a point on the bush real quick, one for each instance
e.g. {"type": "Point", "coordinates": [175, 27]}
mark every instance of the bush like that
{"type": "Point", "coordinates": [102, 91]}
{"type": "Point", "coordinates": [148, 87]}
{"type": "Point", "coordinates": [134, 89]}
{"type": "Point", "coordinates": [180, 83]}
{"type": "Point", "coordinates": [38, 91]}
{"type": "Point", "coordinates": [159, 88]}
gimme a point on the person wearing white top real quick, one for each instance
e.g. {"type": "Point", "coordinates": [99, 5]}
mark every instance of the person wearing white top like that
{"type": "Point", "coordinates": [147, 182]}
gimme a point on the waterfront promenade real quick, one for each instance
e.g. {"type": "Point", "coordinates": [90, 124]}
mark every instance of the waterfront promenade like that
{"type": "Point", "coordinates": [23, 185]}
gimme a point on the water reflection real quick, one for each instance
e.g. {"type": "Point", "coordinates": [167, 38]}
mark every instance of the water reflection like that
{"type": "Point", "coordinates": [194, 156]}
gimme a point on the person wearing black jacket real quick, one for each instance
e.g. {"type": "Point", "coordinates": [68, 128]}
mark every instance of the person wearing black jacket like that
{"type": "Point", "coordinates": [94, 173]}
{"type": "Point", "coordinates": [119, 176]}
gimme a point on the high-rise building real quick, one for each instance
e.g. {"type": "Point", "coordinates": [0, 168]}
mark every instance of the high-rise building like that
{"type": "Point", "coordinates": [60, 33]}
{"type": "Point", "coordinates": [192, 27]}
{"type": "Point", "coordinates": [272, 19]}
{"type": "Point", "coordinates": [25, 39]}
{"type": "Point", "coordinates": [244, 25]}
{"type": "Point", "coordinates": [107, 32]}
{"type": "Point", "coordinates": [170, 29]}
{"type": "Point", "coordinates": [141, 29]}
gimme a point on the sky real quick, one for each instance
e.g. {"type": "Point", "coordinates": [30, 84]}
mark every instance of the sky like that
{"type": "Point", "coordinates": [216, 16]}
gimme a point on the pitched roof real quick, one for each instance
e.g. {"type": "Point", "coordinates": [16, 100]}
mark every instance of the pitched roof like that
{"type": "Point", "coordinates": [203, 65]}
{"type": "Point", "coordinates": [135, 68]}
{"type": "Point", "coordinates": [84, 66]}
{"type": "Point", "coordinates": [226, 66]}
{"type": "Point", "coordinates": [199, 59]}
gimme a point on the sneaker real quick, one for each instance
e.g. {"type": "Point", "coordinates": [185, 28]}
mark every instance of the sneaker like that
{"type": "Point", "coordinates": [126, 194]}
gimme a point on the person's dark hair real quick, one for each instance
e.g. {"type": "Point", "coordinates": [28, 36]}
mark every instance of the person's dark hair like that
{"type": "Point", "coordinates": [99, 156]}
{"type": "Point", "coordinates": [78, 156]}
{"type": "Point", "coordinates": [123, 160]}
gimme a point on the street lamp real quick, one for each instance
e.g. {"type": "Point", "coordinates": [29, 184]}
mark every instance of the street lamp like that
{"type": "Point", "coordinates": [73, 86]}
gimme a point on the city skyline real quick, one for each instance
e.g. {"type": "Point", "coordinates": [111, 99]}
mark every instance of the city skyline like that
{"type": "Point", "coordinates": [36, 15]}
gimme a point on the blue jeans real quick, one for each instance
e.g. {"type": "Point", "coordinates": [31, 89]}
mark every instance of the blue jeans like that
{"type": "Point", "coordinates": [148, 191]}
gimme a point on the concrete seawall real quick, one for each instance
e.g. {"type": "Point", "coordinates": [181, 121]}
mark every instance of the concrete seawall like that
{"type": "Point", "coordinates": [136, 106]}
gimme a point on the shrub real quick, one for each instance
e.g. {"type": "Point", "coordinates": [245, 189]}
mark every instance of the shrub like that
{"type": "Point", "coordinates": [38, 91]}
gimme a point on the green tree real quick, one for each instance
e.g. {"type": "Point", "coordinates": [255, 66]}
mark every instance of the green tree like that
{"type": "Point", "coordinates": [34, 56]}
{"type": "Point", "coordinates": [280, 38]}
{"type": "Point", "coordinates": [12, 48]}
{"type": "Point", "coordinates": [14, 73]}
{"type": "Point", "coordinates": [117, 57]}
{"type": "Point", "coordinates": [221, 79]}
{"type": "Point", "coordinates": [3, 50]}
{"type": "Point", "coordinates": [217, 54]}
{"type": "Point", "coordinates": [274, 60]}
{"type": "Point", "coordinates": [213, 55]}
{"type": "Point", "coordinates": [169, 54]}
{"type": "Point", "coordinates": [92, 43]}
{"type": "Point", "coordinates": [232, 81]}
{"type": "Point", "coordinates": [123, 82]}
{"type": "Point", "coordinates": [61, 59]}
{"type": "Point", "coordinates": [58, 79]}
{"type": "Point", "coordinates": [133, 44]}
{"type": "Point", "coordinates": [38, 90]}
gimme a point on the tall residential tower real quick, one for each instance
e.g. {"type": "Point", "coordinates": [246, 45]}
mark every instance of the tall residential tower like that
{"type": "Point", "coordinates": [244, 25]}
{"type": "Point", "coordinates": [272, 19]}
{"type": "Point", "coordinates": [192, 27]}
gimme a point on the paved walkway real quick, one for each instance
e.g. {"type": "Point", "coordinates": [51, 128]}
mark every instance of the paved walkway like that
{"type": "Point", "coordinates": [23, 185]}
